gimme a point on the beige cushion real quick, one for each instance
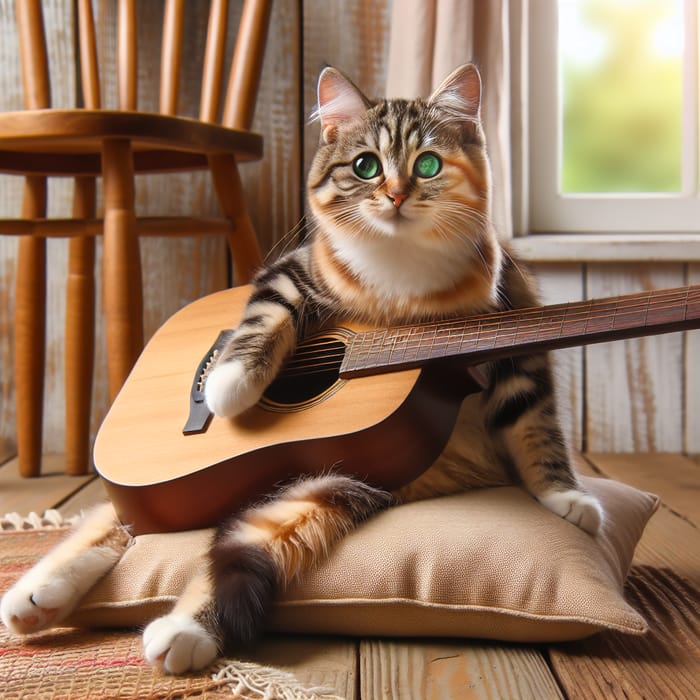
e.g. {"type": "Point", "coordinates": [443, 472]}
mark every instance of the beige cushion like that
{"type": "Point", "coordinates": [487, 563]}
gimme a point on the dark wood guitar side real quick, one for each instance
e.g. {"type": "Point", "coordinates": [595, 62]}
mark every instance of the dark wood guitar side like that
{"type": "Point", "coordinates": [378, 404]}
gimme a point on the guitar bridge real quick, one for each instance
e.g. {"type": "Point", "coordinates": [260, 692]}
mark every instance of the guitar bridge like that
{"type": "Point", "coordinates": [200, 415]}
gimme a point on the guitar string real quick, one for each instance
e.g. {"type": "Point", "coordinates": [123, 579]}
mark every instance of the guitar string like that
{"type": "Point", "coordinates": [331, 359]}
{"type": "Point", "coordinates": [416, 341]}
{"type": "Point", "coordinates": [434, 331]}
{"type": "Point", "coordinates": [535, 319]}
{"type": "Point", "coordinates": [333, 364]}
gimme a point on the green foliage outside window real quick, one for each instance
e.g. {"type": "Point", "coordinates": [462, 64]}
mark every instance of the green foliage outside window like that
{"type": "Point", "coordinates": [622, 95]}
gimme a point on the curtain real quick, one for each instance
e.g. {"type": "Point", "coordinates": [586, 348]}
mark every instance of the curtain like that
{"type": "Point", "coordinates": [430, 38]}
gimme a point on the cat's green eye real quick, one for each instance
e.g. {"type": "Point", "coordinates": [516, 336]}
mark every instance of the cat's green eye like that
{"type": "Point", "coordinates": [366, 166]}
{"type": "Point", "coordinates": [427, 165]}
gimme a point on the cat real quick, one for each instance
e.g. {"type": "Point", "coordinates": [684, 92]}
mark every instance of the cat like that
{"type": "Point", "coordinates": [399, 199]}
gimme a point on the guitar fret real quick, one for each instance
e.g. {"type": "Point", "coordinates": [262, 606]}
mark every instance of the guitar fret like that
{"type": "Point", "coordinates": [549, 326]}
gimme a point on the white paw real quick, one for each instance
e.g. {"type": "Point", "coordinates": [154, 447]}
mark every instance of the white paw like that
{"type": "Point", "coordinates": [577, 507]}
{"type": "Point", "coordinates": [49, 592]}
{"type": "Point", "coordinates": [30, 606]}
{"type": "Point", "coordinates": [230, 390]}
{"type": "Point", "coordinates": [177, 644]}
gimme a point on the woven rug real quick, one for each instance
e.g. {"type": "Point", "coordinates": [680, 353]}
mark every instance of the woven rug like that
{"type": "Point", "coordinates": [63, 664]}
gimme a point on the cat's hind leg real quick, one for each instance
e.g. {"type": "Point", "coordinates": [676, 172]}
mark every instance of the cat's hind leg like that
{"type": "Point", "coordinates": [47, 593]}
{"type": "Point", "coordinates": [254, 555]}
{"type": "Point", "coordinates": [187, 638]}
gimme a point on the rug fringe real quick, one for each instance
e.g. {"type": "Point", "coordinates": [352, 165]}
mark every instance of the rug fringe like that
{"type": "Point", "coordinates": [250, 681]}
{"type": "Point", "coordinates": [51, 519]}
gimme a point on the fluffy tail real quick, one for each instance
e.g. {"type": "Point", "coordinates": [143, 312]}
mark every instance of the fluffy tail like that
{"type": "Point", "coordinates": [268, 546]}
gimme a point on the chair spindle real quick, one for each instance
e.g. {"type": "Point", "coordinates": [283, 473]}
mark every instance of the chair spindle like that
{"type": "Point", "coordinates": [213, 61]}
{"type": "Point", "coordinates": [87, 45]}
{"type": "Point", "coordinates": [171, 56]}
{"type": "Point", "coordinates": [127, 55]}
{"type": "Point", "coordinates": [247, 64]}
{"type": "Point", "coordinates": [35, 64]}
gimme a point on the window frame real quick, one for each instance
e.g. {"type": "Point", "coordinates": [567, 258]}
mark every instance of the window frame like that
{"type": "Point", "coordinates": [654, 219]}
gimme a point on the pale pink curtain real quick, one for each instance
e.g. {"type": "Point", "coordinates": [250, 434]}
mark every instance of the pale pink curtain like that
{"type": "Point", "coordinates": [429, 39]}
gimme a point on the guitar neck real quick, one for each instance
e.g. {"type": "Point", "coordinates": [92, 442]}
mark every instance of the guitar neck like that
{"type": "Point", "coordinates": [505, 334]}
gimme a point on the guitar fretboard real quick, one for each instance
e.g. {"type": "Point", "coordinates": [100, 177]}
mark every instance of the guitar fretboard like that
{"type": "Point", "coordinates": [488, 337]}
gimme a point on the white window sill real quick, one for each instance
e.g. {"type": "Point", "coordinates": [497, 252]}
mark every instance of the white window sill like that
{"type": "Point", "coordinates": [572, 247]}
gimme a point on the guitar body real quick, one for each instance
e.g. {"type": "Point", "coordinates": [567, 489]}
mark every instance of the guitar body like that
{"type": "Point", "coordinates": [386, 428]}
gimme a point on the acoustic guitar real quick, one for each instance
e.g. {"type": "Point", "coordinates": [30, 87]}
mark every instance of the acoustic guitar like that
{"type": "Point", "coordinates": [379, 404]}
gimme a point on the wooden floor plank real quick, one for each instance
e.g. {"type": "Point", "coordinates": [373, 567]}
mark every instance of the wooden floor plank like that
{"type": "Point", "coordinates": [23, 495]}
{"type": "Point", "coordinates": [89, 495]}
{"type": "Point", "coordinates": [664, 663]}
{"type": "Point", "coordinates": [671, 540]}
{"type": "Point", "coordinates": [6, 453]}
{"type": "Point", "coordinates": [675, 478]}
{"type": "Point", "coordinates": [314, 661]}
{"type": "Point", "coordinates": [433, 670]}
{"type": "Point", "coordinates": [671, 543]}
{"type": "Point", "coordinates": [663, 585]}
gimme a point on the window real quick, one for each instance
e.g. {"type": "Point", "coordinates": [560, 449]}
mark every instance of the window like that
{"type": "Point", "coordinates": [613, 116]}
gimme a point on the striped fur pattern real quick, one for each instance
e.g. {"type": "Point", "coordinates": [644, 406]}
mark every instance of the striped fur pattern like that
{"type": "Point", "coordinates": [399, 195]}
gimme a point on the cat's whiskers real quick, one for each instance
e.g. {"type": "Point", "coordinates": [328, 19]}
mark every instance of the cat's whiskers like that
{"type": "Point", "coordinates": [351, 218]}
{"type": "Point", "coordinates": [287, 242]}
{"type": "Point", "coordinates": [515, 263]}
{"type": "Point", "coordinates": [449, 225]}
{"type": "Point", "coordinates": [455, 216]}
{"type": "Point", "coordinates": [351, 221]}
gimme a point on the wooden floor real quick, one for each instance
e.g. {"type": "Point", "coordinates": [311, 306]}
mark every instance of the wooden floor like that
{"type": "Point", "coordinates": [663, 664]}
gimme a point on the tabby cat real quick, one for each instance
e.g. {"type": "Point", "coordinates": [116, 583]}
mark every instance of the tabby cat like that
{"type": "Point", "coordinates": [399, 196]}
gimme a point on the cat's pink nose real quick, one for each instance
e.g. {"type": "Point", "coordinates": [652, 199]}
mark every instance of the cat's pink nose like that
{"type": "Point", "coordinates": [397, 197]}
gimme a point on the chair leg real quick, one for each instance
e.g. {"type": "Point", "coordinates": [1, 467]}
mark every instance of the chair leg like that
{"type": "Point", "coordinates": [123, 296]}
{"type": "Point", "coordinates": [243, 242]}
{"type": "Point", "coordinates": [30, 333]}
{"type": "Point", "coordinates": [80, 333]}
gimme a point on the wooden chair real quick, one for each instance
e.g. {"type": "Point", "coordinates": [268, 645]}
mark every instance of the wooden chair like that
{"type": "Point", "coordinates": [90, 142]}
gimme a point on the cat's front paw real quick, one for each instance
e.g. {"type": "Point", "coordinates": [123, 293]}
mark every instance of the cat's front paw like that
{"type": "Point", "coordinates": [578, 507]}
{"type": "Point", "coordinates": [177, 644]}
{"type": "Point", "coordinates": [230, 389]}
{"type": "Point", "coordinates": [47, 593]}
{"type": "Point", "coordinates": [30, 606]}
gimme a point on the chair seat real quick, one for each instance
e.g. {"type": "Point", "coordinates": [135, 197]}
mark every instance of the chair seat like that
{"type": "Point", "coordinates": [69, 141]}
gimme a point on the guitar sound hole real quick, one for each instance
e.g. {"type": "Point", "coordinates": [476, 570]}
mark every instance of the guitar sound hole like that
{"type": "Point", "coordinates": [308, 376]}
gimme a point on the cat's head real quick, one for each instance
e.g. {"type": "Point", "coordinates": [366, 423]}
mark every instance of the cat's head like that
{"type": "Point", "coordinates": [409, 168]}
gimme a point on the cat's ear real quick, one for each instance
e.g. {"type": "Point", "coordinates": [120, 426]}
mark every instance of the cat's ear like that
{"type": "Point", "coordinates": [339, 102]}
{"type": "Point", "coordinates": [460, 93]}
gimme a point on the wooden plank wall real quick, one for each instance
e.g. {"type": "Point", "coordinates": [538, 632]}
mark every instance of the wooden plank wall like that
{"type": "Point", "coordinates": [641, 395]}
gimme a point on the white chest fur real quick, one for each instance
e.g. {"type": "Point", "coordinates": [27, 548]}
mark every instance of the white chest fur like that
{"type": "Point", "coordinates": [403, 268]}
